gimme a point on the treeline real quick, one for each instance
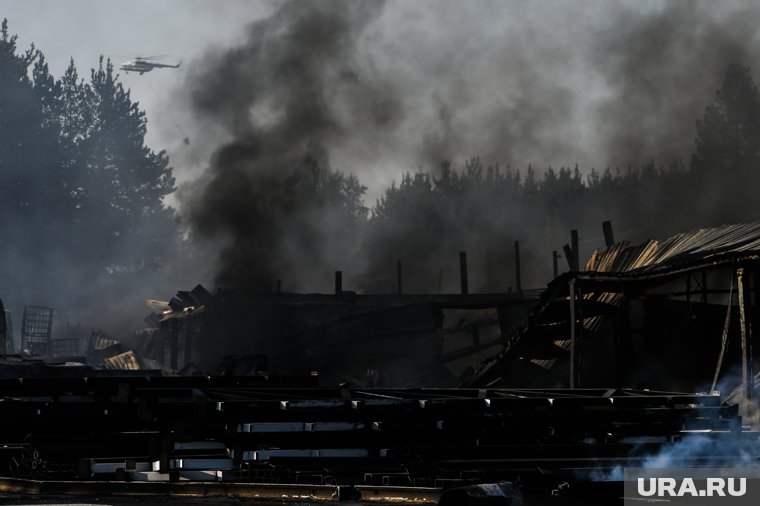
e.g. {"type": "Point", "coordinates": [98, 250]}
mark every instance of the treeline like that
{"type": "Point", "coordinates": [81, 195]}
{"type": "Point", "coordinates": [85, 228]}
{"type": "Point", "coordinates": [427, 217]}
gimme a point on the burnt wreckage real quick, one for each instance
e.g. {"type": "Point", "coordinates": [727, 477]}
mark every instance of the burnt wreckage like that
{"type": "Point", "coordinates": [405, 397]}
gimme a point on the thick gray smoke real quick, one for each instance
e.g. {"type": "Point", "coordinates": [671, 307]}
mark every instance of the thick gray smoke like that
{"type": "Point", "coordinates": [377, 88]}
{"type": "Point", "coordinates": [662, 68]}
{"type": "Point", "coordinates": [284, 96]}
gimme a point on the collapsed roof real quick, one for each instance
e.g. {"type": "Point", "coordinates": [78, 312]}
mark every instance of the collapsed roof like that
{"type": "Point", "coordinates": [581, 302]}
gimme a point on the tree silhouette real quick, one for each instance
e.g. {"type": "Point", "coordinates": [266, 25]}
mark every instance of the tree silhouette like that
{"type": "Point", "coordinates": [124, 182]}
{"type": "Point", "coordinates": [81, 195]}
{"type": "Point", "coordinates": [31, 181]}
{"type": "Point", "coordinates": [726, 158]}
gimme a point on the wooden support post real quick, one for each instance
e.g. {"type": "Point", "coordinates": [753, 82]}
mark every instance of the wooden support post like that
{"type": "Point", "coordinates": [173, 344]}
{"type": "Point", "coordinates": [167, 446]}
{"type": "Point", "coordinates": [750, 340]}
{"type": "Point", "coordinates": [338, 282]}
{"type": "Point", "coordinates": [572, 332]}
{"type": "Point", "coordinates": [463, 271]}
{"type": "Point", "coordinates": [609, 239]}
{"type": "Point", "coordinates": [187, 335]}
{"type": "Point", "coordinates": [746, 334]}
{"type": "Point", "coordinates": [576, 252]}
{"type": "Point", "coordinates": [569, 257]}
{"type": "Point", "coordinates": [518, 282]}
{"type": "Point", "coordinates": [489, 272]}
{"type": "Point", "coordinates": [398, 276]}
{"type": "Point", "coordinates": [754, 311]}
{"type": "Point", "coordinates": [3, 330]}
{"type": "Point", "coordinates": [618, 334]}
{"type": "Point", "coordinates": [475, 334]}
{"type": "Point", "coordinates": [688, 288]}
{"type": "Point", "coordinates": [554, 263]}
{"type": "Point", "coordinates": [578, 336]}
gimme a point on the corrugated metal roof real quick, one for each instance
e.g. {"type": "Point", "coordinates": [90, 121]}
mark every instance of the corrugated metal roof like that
{"type": "Point", "coordinates": [103, 343]}
{"type": "Point", "coordinates": [550, 321]}
{"type": "Point", "coordinates": [124, 361]}
{"type": "Point", "coordinates": [699, 244]}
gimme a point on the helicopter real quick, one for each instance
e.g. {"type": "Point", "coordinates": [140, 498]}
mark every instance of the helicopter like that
{"type": "Point", "coordinates": [143, 64]}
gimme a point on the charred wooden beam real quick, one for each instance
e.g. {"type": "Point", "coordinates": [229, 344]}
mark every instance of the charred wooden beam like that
{"type": "Point", "coordinates": [489, 271]}
{"type": "Point", "coordinates": [398, 277]}
{"type": "Point", "coordinates": [3, 330]}
{"type": "Point", "coordinates": [187, 337]}
{"type": "Point", "coordinates": [554, 263]}
{"type": "Point", "coordinates": [201, 295]}
{"type": "Point", "coordinates": [746, 334]}
{"type": "Point", "coordinates": [576, 333]}
{"type": "Point", "coordinates": [518, 282]}
{"type": "Point", "coordinates": [463, 272]}
{"type": "Point", "coordinates": [573, 335]}
{"type": "Point", "coordinates": [609, 239]}
{"type": "Point", "coordinates": [179, 424]}
{"type": "Point", "coordinates": [576, 252]}
{"type": "Point", "coordinates": [688, 288]}
{"type": "Point", "coordinates": [569, 257]}
{"type": "Point", "coordinates": [174, 344]}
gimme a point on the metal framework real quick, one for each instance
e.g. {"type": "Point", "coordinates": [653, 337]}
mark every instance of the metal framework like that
{"type": "Point", "coordinates": [36, 329]}
{"type": "Point", "coordinates": [279, 430]}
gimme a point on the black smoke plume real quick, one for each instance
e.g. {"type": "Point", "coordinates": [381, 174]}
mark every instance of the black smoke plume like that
{"type": "Point", "coordinates": [377, 89]}
{"type": "Point", "coordinates": [269, 197]}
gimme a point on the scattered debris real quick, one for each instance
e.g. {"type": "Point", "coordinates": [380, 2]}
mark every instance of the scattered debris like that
{"type": "Point", "coordinates": [639, 304]}
{"type": "Point", "coordinates": [126, 361]}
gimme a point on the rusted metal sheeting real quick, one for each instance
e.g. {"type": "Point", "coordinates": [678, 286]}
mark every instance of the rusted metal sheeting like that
{"type": "Point", "coordinates": [124, 361]}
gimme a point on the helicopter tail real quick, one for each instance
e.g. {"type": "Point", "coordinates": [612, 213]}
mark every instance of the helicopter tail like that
{"type": "Point", "coordinates": [177, 65]}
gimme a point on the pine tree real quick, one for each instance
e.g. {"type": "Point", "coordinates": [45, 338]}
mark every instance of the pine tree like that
{"type": "Point", "coordinates": [30, 178]}
{"type": "Point", "coordinates": [81, 195]}
{"type": "Point", "coordinates": [726, 160]}
{"type": "Point", "coordinates": [124, 181]}
{"type": "Point", "coordinates": [728, 135]}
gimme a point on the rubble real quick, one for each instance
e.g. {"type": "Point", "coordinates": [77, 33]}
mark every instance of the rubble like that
{"type": "Point", "coordinates": [373, 340]}
{"type": "Point", "coordinates": [289, 431]}
{"type": "Point", "coordinates": [661, 303]}
{"type": "Point", "coordinates": [298, 390]}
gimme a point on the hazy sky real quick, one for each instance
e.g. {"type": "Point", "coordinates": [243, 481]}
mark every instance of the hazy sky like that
{"type": "Point", "coordinates": [546, 82]}
{"type": "Point", "coordinates": [86, 29]}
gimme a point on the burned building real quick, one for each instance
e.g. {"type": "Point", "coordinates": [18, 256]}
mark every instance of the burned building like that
{"type": "Point", "coordinates": [371, 340]}
{"type": "Point", "coordinates": [568, 388]}
{"type": "Point", "coordinates": [674, 314]}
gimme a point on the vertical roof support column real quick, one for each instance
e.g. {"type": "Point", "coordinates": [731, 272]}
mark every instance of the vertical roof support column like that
{"type": "Point", "coordinates": [573, 335]}
{"type": "Point", "coordinates": [746, 336]}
